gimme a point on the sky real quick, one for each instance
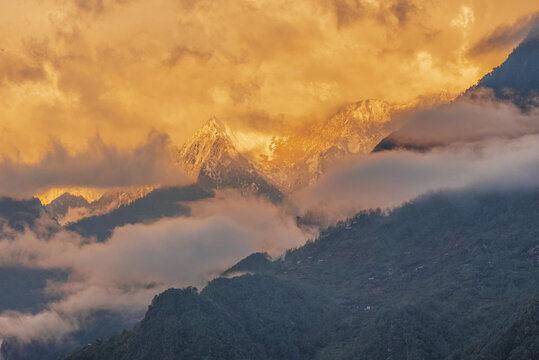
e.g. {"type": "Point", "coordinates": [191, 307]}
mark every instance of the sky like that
{"type": "Point", "coordinates": [73, 71]}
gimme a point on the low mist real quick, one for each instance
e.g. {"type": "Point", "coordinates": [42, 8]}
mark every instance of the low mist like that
{"type": "Point", "coordinates": [139, 261]}
{"type": "Point", "coordinates": [482, 144]}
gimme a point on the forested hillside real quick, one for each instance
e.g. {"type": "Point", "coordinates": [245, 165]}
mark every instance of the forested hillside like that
{"type": "Point", "coordinates": [447, 276]}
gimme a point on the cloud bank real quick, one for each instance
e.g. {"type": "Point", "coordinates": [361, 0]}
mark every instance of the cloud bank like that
{"type": "Point", "coordinates": [99, 166]}
{"type": "Point", "coordinates": [139, 261]}
{"type": "Point", "coordinates": [480, 144]}
{"type": "Point", "coordinates": [471, 118]}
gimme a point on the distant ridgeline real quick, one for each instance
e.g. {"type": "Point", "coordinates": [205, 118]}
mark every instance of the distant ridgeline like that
{"type": "Point", "coordinates": [447, 276]}
{"type": "Point", "coordinates": [160, 203]}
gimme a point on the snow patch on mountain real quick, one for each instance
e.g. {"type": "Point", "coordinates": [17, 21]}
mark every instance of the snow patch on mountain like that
{"type": "Point", "coordinates": [302, 157]}
{"type": "Point", "coordinates": [211, 157]}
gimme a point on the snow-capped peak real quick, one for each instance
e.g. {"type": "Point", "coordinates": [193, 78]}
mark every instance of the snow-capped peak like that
{"type": "Point", "coordinates": [213, 126]}
{"type": "Point", "coordinates": [209, 144]}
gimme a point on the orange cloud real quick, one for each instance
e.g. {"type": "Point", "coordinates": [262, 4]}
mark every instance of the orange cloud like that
{"type": "Point", "coordinates": [70, 69]}
{"type": "Point", "coordinates": [100, 166]}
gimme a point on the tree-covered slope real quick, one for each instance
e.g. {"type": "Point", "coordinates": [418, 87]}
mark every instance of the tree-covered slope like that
{"type": "Point", "coordinates": [251, 317]}
{"type": "Point", "coordinates": [517, 338]}
{"type": "Point", "coordinates": [517, 79]}
{"type": "Point", "coordinates": [446, 276]}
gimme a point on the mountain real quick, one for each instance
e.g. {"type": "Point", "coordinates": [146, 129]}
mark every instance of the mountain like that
{"type": "Point", "coordinates": [217, 323]}
{"type": "Point", "coordinates": [257, 262]}
{"type": "Point", "coordinates": [302, 157]}
{"type": "Point", "coordinates": [159, 203]}
{"type": "Point", "coordinates": [59, 207]}
{"type": "Point", "coordinates": [115, 198]}
{"type": "Point", "coordinates": [516, 339]}
{"type": "Point", "coordinates": [68, 208]}
{"type": "Point", "coordinates": [395, 141]}
{"type": "Point", "coordinates": [517, 78]}
{"type": "Point", "coordinates": [211, 157]}
{"type": "Point", "coordinates": [292, 161]}
{"type": "Point", "coordinates": [18, 214]}
{"type": "Point", "coordinates": [451, 275]}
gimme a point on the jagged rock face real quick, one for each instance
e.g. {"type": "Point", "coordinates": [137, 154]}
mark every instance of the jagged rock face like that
{"type": "Point", "coordinates": [301, 158]}
{"type": "Point", "coordinates": [210, 145]}
{"type": "Point", "coordinates": [296, 160]}
{"type": "Point", "coordinates": [355, 129]}
{"type": "Point", "coordinates": [211, 158]}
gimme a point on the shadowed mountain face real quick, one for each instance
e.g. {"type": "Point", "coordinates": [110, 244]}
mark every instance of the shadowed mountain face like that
{"type": "Point", "coordinates": [394, 142]}
{"type": "Point", "coordinates": [99, 324]}
{"type": "Point", "coordinates": [18, 214]}
{"type": "Point", "coordinates": [517, 338]}
{"type": "Point", "coordinates": [443, 277]}
{"type": "Point", "coordinates": [239, 318]}
{"type": "Point", "coordinates": [61, 205]}
{"type": "Point", "coordinates": [257, 262]}
{"type": "Point", "coordinates": [517, 79]}
{"type": "Point", "coordinates": [23, 289]}
{"type": "Point", "coordinates": [68, 208]}
{"type": "Point", "coordinates": [160, 203]}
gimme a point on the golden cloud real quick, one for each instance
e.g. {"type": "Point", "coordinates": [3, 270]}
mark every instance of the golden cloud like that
{"type": "Point", "coordinates": [72, 69]}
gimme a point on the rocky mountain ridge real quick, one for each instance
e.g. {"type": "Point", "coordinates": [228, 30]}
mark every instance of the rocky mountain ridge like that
{"type": "Point", "coordinates": [211, 158]}
{"type": "Point", "coordinates": [296, 160]}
